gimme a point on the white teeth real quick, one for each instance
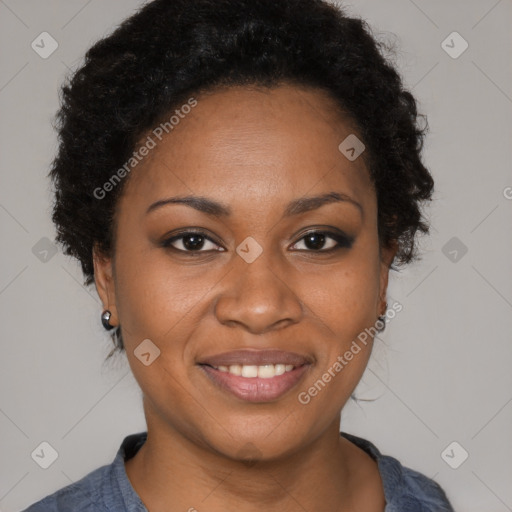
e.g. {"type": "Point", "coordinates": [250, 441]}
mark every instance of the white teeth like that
{"type": "Point", "coordinates": [235, 369]}
{"type": "Point", "coordinates": [249, 371]}
{"type": "Point", "coordinates": [266, 371]}
{"type": "Point", "coordinates": [280, 369]}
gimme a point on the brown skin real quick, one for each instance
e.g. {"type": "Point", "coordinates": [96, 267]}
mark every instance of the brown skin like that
{"type": "Point", "coordinates": [254, 150]}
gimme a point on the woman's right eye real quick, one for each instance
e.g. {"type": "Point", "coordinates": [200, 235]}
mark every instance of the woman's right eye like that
{"type": "Point", "coordinates": [190, 242]}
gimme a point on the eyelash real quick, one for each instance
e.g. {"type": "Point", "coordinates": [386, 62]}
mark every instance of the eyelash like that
{"type": "Point", "coordinates": [342, 241]}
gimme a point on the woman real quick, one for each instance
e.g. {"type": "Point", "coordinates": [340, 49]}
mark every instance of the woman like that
{"type": "Point", "coordinates": [237, 178]}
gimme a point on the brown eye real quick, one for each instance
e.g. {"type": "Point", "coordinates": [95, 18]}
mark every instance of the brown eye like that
{"type": "Point", "coordinates": [317, 241]}
{"type": "Point", "coordinates": [191, 241]}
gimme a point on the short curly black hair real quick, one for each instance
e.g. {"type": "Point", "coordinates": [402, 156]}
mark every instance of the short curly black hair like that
{"type": "Point", "coordinates": [169, 51]}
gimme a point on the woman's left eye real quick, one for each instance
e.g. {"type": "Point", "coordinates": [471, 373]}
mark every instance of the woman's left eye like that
{"type": "Point", "coordinates": [315, 241]}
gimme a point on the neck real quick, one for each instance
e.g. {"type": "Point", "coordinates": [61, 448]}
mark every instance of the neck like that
{"type": "Point", "coordinates": [174, 472]}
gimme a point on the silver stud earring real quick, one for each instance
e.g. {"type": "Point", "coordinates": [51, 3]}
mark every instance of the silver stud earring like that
{"type": "Point", "coordinates": [381, 322]}
{"type": "Point", "coordinates": [105, 320]}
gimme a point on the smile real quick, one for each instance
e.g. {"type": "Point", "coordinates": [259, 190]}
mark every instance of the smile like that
{"type": "Point", "coordinates": [266, 371]}
{"type": "Point", "coordinates": [251, 383]}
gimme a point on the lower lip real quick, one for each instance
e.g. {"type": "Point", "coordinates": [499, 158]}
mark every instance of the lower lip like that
{"type": "Point", "coordinates": [255, 389]}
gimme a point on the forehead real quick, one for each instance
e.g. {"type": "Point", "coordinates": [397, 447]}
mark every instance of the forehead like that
{"type": "Point", "coordinates": [247, 143]}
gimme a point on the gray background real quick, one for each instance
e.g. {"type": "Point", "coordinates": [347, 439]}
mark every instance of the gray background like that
{"type": "Point", "coordinates": [441, 370]}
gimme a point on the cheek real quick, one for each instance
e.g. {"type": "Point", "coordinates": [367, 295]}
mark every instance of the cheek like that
{"type": "Point", "coordinates": [342, 303]}
{"type": "Point", "coordinates": [345, 297]}
{"type": "Point", "coordinates": [159, 303]}
{"type": "Point", "coordinates": [153, 296]}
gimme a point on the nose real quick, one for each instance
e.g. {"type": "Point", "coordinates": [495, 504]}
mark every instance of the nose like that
{"type": "Point", "coordinates": [258, 296]}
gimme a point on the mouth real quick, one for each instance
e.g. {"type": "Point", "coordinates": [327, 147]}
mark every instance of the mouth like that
{"type": "Point", "coordinates": [256, 375]}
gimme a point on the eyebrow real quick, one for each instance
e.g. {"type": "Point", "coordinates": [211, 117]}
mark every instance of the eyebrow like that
{"type": "Point", "coordinates": [295, 207]}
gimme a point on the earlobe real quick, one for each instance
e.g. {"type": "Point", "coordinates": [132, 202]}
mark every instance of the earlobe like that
{"type": "Point", "coordinates": [387, 257]}
{"type": "Point", "coordinates": [104, 281]}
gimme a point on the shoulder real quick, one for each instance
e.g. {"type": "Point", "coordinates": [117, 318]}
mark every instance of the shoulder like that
{"type": "Point", "coordinates": [105, 489]}
{"type": "Point", "coordinates": [81, 496]}
{"type": "Point", "coordinates": [405, 489]}
{"type": "Point", "coordinates": [410, 490]}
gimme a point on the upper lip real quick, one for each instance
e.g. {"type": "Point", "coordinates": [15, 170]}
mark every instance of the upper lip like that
{"type": "Point", "coordinates": [256, 358]}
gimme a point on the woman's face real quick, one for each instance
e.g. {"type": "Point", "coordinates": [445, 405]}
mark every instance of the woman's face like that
{"type": "Point", "coordinates": [255, 279]}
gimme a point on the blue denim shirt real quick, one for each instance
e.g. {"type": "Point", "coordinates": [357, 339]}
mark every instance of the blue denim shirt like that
{"type": "Point", "coordinates": [107, 489]}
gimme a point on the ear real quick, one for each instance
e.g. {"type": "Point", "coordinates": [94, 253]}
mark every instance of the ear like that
{"type": "Point", "coordinates": [104, 281]}
{"type": "Point", "coordinates": [386, 256]}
